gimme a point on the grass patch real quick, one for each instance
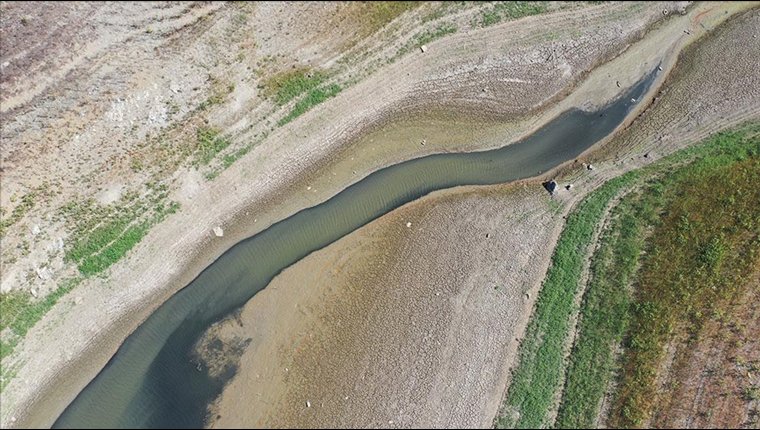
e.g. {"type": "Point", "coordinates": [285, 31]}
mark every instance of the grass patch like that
{"type": "Point", "coordinates": [20, 312]}
{"type": "Point", "coordinates": [510, 10]}
{"type": "Point", "coordinates": [702, 251]}
{"type": "Point", "coordinates": [441, 31]}
{"type": "Point", "coordinates": [106, 256]}
{"type": "Point", "coordinates": [537, 377]}
{"type": "Point", "coordinates": [25, 205]}
{"type": "Point", "coordinates": [210, 143]}
{"type": "Point", "coordinates": [313, 98]}
{"type": "Point", "coordinates": [106, 233]}
{"type": "Point", "coordinates": [286, 86]}
{"type": "Point", "coordinates": [603, 319]}
{"type": "Point", "coordinates": [604, 313]}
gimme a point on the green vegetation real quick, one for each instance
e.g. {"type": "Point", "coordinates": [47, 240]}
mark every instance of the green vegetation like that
{"type": "Point", "coordinates": [603, 312]}
{"type": "Point", "coordinates": [25, 205]}
{"type": "Point", "coordinates": [537, 378]}
{"type": "Point", "coordinates": [104, 234]}
{"type": "Point", "coordinates": [313, 98]}
{"type": "Point", "coordinates": [705, 242]}
{"type": "Point", "coordinates": [210, 143]}
{"type": "Point", "coordinates": [19, 312]}
{"type": "Point", "coordinates": [510, 10]}
{"type": "Point", "coordinates": [442, 30]}
{"type": "Point", "coordinates": [112, 252]}
{"type": "Point", "coordinates": [703, 249]}
{"type": "Point", "coordinates": [286, 86]}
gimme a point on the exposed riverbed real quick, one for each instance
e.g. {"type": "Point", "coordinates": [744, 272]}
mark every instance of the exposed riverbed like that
{"type": "Point", "coordinates": [154, 381]}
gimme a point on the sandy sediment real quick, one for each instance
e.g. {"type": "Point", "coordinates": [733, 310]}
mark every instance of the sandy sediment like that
{"type": "Point", "coordinates": [410, 326]}
{"type": "Point", "coordinates": [64, 351]}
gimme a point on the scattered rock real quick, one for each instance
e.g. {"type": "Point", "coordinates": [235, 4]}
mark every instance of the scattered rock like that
{"type": "Point", "coordinates": [423, 142]}
{"type": "Point", "coordinates": [218, 231]}
{"type": "Point", "coordinates": [423, 48]}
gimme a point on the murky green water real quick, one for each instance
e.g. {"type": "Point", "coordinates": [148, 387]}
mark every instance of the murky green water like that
{"type": "Point", "coordinates": [152, 381]}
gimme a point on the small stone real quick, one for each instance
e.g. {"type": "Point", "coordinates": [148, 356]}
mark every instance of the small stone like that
{"type": "Point", "coordinates": [568, 187]}
{"type": "Point", "coordinates": [590, 167]}
{"type": "Point", "coordinates": [423, 48]}
{"type": "Point", "coordinates": [408, 224]}
{"type": "Point", "coordinates": [78, 300]}
{"type": "Point", "coordinates": [308, 188]}
{"type": "Point", "coordinates": [527, 296]}
{"type": "Point", "coordinates": [34, 292]}
{"type": "Point", "coordinates": [659, 68]}
{"type": "Point", "coordinates": [36, 230]}
{"type": "Point", "coordinates": [633, 100]}
{"type": "Point", "coordinates": [617, 83]}
{"type": "Point", "coordinates": [308, 404]}
{"type": "Point", "coordinates": [218, 231]}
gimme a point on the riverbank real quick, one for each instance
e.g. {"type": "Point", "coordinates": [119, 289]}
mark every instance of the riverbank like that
{"type": "Point", "coordinates": [451, 337]}
{"type": "Point", "coordinates": [101, 313]}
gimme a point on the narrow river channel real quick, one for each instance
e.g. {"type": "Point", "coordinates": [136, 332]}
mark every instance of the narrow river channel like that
{"type": "Point", "coordinates": [152, 381]}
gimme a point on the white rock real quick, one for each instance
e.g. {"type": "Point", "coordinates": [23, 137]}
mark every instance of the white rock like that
{"type": "Point", "coordinates": [408, 224]}
{"type": "Point", "coordinates": [218, 231]}
{"type": "Point", "coordinates": [34, 293]}
{"type": "Point", "coordinates": [308, 404]}
{"type": "Point", "coordinates": [423, 48]}
{"type": "Point", "coordinates": [43, 274]}
{"type": "Point", "coordinates": [36, 230]}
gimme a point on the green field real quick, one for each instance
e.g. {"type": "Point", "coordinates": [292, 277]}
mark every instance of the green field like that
{"type": "Point", "coordinates": [698, 208]}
